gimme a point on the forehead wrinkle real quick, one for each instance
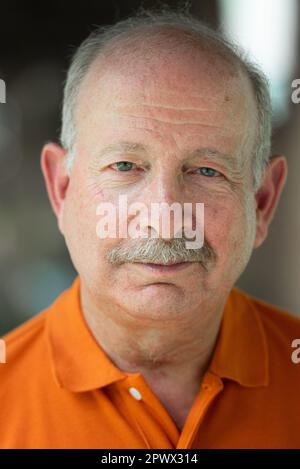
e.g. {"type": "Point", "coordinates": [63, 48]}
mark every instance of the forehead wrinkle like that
{"type": "Point", "coordinates": [176, 122]}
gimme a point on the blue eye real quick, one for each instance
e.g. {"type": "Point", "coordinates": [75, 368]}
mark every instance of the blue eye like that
{"type": "Point", "coordinates": [123, 166]}
{"type": "Point", "coordinates": [208, 172]}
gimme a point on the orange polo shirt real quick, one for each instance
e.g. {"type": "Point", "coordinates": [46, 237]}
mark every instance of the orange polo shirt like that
{"type": "Point", "coordinates": [59, 389]}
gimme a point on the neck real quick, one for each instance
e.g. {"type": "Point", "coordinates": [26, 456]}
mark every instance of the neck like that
{"type": "Point", "coordinates": [171, 355]}
{"type": "Point", "coordinates": [162, 351]}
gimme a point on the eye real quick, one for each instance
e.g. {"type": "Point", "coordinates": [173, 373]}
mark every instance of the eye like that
{"type": "Point", "coordinates": [208, 172]}
{"type": "Point", "coordinates": [123, 166]}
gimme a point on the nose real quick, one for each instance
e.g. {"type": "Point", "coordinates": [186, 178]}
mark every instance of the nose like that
{"type": "Point", "coordinates": [164, 200]}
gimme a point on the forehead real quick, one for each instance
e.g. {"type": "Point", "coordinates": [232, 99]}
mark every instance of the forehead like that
{"type": "Point", "coordinates": [177, 75]}
{"type": "Point", "coordinates": [170, 58]}
{"type": "Point", "coordinates": [169, 88]}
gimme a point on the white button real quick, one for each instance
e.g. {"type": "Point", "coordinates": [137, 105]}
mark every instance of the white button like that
{"type": "Point", "coordinates": [135, 393]}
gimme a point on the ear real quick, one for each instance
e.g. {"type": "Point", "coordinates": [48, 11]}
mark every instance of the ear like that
{"type": "Point", "coordinates": [268, 195]}
{"type": "Point", "coordinates": [56, 178]}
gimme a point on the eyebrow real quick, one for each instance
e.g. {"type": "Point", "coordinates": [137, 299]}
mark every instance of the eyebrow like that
{"type": "Point", "coordinates": [117, 148]}
{"type": "Point", "coordinates": [122, 147]}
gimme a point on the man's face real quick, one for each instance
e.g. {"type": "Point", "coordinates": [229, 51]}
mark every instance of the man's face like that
{"type": "Point", "coordinates": [172, 108]}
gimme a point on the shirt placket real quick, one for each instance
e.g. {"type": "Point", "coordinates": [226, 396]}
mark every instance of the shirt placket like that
{"type": "Point", "coordinates": [210, 387]}
{"type": "Point", "coordinates": [146, 405]}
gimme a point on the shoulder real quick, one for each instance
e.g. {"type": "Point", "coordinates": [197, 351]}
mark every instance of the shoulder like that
{"type": "Point", "coordinates": [26, 332]}
{"type": "Point", "coordinates": [281, 330]}
{"type": "Point", "coordinates": [276, 320]}
{"type": "Point", "coordinates": [24, 347]}
{"type": "Point", "coordinates": [28, 343]}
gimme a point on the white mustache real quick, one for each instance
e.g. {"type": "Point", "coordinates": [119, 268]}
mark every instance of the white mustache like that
{"type": "Point", "coordinates": [160, 251]}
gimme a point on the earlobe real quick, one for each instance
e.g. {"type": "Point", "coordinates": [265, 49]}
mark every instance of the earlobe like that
{"type": "Point", "coordinates": [268, 196]}
{"type": "Point", "coordinates": [56, 177]}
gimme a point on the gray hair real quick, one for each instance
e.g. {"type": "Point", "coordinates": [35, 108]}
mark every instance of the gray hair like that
{"type": "Point", "coordinates": [181, 19]}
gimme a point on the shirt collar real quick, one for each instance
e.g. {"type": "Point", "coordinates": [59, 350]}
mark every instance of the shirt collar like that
{"type": "Point", "coordinates": [80, 364]}
{"type": "Point", "coordinates": [241, 351]}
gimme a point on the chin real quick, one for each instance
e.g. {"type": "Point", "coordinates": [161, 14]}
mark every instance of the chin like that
{"type": "Point", "coordinates": [158, 301]}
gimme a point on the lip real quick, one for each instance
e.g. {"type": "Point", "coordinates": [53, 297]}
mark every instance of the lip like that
{"type": "Point", "coordinates": [164, 269]}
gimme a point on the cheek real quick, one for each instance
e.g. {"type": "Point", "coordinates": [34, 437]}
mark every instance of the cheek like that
{"type": "Point", "coordinates": [226, 229]}
{"type": "Point", "coordinates": [86, 248]}
{"type": "Point", "coordinates": [80, 227]}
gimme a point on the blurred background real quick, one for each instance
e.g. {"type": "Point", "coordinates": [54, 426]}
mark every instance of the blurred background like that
{"type": "Point", "coordinates": [36, 42]}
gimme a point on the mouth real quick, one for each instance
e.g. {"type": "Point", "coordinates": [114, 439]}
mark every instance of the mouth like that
{"type": "Point", "coordinates": [168, 268]}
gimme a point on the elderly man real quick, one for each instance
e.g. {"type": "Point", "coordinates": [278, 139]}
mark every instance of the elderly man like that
{"type": "Point", "coordinates": [153, 346]}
